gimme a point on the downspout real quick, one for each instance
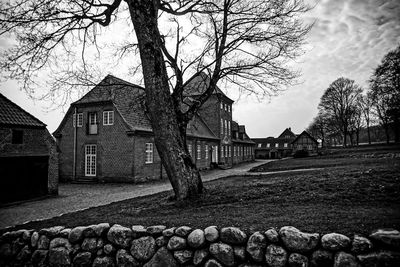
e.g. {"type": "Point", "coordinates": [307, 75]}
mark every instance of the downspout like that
{"type": "Point", "coordinates": [75, 143]}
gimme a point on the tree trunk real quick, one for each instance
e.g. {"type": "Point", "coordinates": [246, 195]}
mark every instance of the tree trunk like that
{"type": "Point", "coordinates": [169, 133]}
{"type": "Point", "coordinates": [369, 134]}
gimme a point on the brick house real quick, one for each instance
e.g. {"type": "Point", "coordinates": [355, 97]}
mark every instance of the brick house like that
{"type": "Point", "coordinates": [28, 155]}
{"type": "Point", "coordinates": [106, 136]}
{"type": "Point", "coordinates": [305, 142]}
{"type": "Point", "coordinates": [274, 148]}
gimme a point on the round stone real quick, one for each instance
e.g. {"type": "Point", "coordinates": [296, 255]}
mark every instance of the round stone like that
{"type": "Point", "coordinates": [298, 241]}
{"type": "Point", "coordinates": [144, 248]}
{"type": "Point", "coordinates": [256, 246]}
{"type": "Point", "coordinates": [233, 235]}
{"type": "Point", "coordinates": [211, 233]}
{"type": "Point", "coordinates": [361, 245]}
{"type": "Point", "coordinates": [275, 256]}
{"type": "Point", "coordinates": [196, 238]}
{"type": "Point", "coordinates": [176, 243]}
{"type": "Point", "coordinates": [297, 260]}
{"type": "Point", "coordinates": [223, 253]}
{"type": "Point", "coordinates": [335, 242]}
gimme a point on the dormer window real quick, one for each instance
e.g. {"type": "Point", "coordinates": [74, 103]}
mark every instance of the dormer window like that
{"type": "Point", "coordinates": [108, 117]}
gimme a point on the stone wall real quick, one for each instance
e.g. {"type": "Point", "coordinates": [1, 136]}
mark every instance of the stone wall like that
{"type": "Point", "coordinates": [102, 245]}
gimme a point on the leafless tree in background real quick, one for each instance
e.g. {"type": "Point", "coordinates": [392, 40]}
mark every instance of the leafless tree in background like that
{"type": "Point", "coordinates": [338, 103]}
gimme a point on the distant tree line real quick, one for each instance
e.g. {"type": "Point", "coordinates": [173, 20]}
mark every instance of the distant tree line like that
{"type": "Point", "coordinates": [346, 111]}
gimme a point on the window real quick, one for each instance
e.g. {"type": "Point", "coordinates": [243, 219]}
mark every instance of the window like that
{"type": "Point", "coordinates": [222, 126]}
{"type": "Point", "coordinates": [285, 144]}
{"type": "Point", "coordinates": [190, 149]}
{"type": "Point", "coordinates": [108, 117]}
{"type": "Point", "coordinates": [80, 119]}
{"type": "Point", "coordinates": [277, 145]}
{"type": "Point", "coordinates": [149, 153]}
{"type": "Point", "coordinates": [226, 127]}
{"type": "Point", "coordinates": [222, 105]}
{"type": "Point", "coordinates": [259, 145]}
{"type": "Point", "coordinates": [309, 147]}
{"type": "Point", "coordinates": [198, 151]}
{"type": "Point", "coordinates": [234, 151]}
{"type": "Point", "coordinates": [90, 160]}
{"type": "Point", "coordinates": [206, 150]}
{"type": "Point", "coordinates": [222, 152]}
{"type": "Point", "coordinates": [229, 151]}
{"type": "Point", "coordinates": [92, 123]}
{"type": "Point", "coordinates": [299, 147]}
{"type": "Point", "coordinates": [17, 137]}
{"type": "Point", "coordinates": [268, 144]}
{"type": "Point", "coordinates": [229, 128]}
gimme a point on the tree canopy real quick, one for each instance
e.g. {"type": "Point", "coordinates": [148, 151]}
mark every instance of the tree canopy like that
{"type": "Point", "coordinates": [246, 43]}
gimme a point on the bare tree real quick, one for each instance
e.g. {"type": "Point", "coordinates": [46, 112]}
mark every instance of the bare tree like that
{"type": "Point", "coordinates": [338, 102]}
{"type": "Point", "coordinates": [366, 105]}
{"type": "Point", "coordinates": [385, 92]}
{"type": "Point", "coordinates": [246, 43]}
{"type": "Point", "coordinates": [319, 128]}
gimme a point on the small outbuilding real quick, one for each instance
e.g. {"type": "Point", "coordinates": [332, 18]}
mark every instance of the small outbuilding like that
{"type": "Point", "coordinates": [28, 155]}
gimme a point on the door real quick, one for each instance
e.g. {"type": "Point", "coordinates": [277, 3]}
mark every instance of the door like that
{"type": "Point", "coordinates": [214, 155]}
{"type": "Point", "coordinates": [23, 178]}
{"type": "Point", "coordinates": [90, 160]}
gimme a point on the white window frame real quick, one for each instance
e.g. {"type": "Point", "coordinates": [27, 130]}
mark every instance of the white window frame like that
{"type": "Point", "coordinates": [259, 145]}
{"type": "Point", "coordinates": [222, 105]}
{"type": "Point", "coordinates": [309, 147]}
{"type": "Point", "coordinates": [79, 119]}
{"type": "Point", "coordinates": [108, 117]}
{"type": "Point", "coordinates": [149, 153]}
{"type": "Point", "coordinates": [206, 150]}
{"type": "Point", "coordinates": [285, 145]}
{"type": "Point", "coordinates": [90, 160]}
{"type": "Point", "coordinates": [222, 151]}
{"type": "Point", "coordinates": [198, 151]}
{"type": "Point", "coordinates": [226, 127]}
{"type": "Point", "coordinates": [190, 149]}
{"type": "Point", "coordinates": [222, 126]}
{"type": "Point", "coordinates": [276, 145]}
{"type": "Point", "coordinates": [268, 145]}
{"type": "Point", "coordinates": [229, 151]}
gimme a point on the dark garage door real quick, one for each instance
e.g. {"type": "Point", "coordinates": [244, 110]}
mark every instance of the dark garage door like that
{"type": "Point", "coordinates": [22, 178]}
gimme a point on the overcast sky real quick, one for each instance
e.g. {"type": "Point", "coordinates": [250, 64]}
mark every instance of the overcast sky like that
{"type": "Point", "coordinates": [349, 39]}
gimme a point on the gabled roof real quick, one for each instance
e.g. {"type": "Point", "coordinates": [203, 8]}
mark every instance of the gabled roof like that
{"type": "Point", "coordinates": [12, 114]}
{"type": "Point", "coordinates": [199, 85]}
{"type": "Point", "coordinates": [306, 134]}
{"type": "Point", "coordinates": [287, 132]}
{"type": "Point", "coordinates": [128, 99]}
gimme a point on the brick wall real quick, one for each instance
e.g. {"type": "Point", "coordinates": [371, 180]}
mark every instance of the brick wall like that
{"type": "Point", "coordinates": [32, 142]}
{"type": "Point", "coordinates": [35, 142]}
{"type": "Point", "coordinates": [146, 171]}
{"type": "Point", "coordinates": [114, 155]}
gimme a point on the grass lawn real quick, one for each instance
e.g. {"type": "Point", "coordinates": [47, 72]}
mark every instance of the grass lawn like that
{"type": "Point", "coordinates": [351, 195]}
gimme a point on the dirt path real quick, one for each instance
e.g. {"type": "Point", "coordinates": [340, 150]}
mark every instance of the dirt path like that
{"type": "Point", "coordinates": [74, 197]}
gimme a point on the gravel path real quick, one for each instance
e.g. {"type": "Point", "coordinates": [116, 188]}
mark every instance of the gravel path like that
{"type": "Point", "coordinates": [74, 197]}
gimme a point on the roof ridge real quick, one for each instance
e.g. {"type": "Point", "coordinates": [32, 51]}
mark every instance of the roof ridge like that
{"type": "Point", "coordinates": [23, 110]}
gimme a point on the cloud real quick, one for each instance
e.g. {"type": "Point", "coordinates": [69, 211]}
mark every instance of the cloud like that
{"type": "Point", "coordinates": [349, 39]}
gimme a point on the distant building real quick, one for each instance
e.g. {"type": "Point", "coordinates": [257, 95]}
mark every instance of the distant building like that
{"type": "Point", "coordinates": [28, 155]}
{"type": "Point", "coordinates": [285, 145]}
{"type": "Point", "coordinates": [305, 142]}
{"type": "Point", "coordinates": [106, 135]}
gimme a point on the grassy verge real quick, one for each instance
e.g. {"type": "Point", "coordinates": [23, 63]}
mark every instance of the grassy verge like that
{"type": "Point", "coordinates": [356, 197]}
